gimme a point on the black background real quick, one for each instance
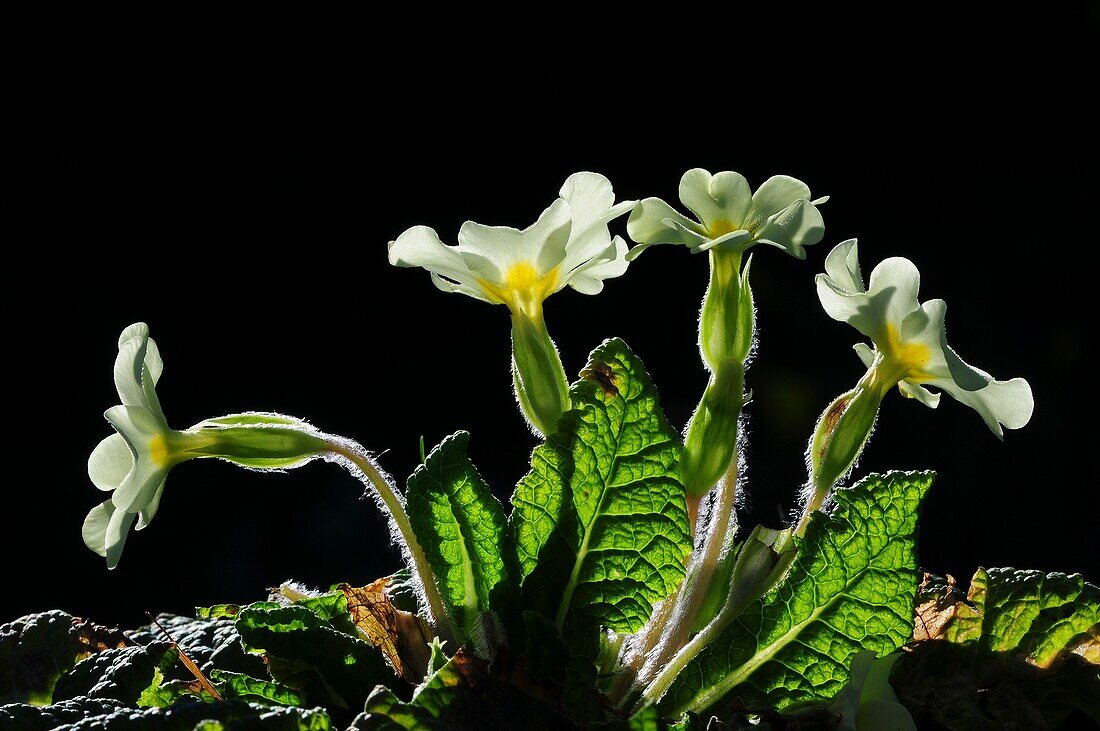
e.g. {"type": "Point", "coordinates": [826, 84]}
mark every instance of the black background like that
{"type": "Point", "coordinates": [240, 204]}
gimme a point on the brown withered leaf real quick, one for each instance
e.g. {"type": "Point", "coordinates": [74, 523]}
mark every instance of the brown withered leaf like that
{"type": "Point", "coordinates": [1088, 648]}
{"type": "Point", "coordinates": [938, 600]}
{"type": "Point", "coordinates": [401, 636]}
{"type": "Point", "coordinates": [95, 638]}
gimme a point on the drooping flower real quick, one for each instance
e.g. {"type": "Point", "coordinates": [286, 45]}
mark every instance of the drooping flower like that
{"type": "Point", "coordinates": [909, 341]}
{"type": "Point", "coordinates": [132, 463]}
{"type": "Point", "coordinates": [569, 244]}
{"type": "Point", "coordinates": [729, 216]}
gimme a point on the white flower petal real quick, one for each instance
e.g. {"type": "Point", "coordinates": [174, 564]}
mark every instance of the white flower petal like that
{"type": "Point", "coordinates": [842, 266]}
{"type": "Point", "coordinates": [732, 241]}
{"type": "Point", "coordinates": [865, 352]}
{"type": "Point", "coordinates": [724, 198]}
{"type": "Point", "coordinates": [129, 364]}
{"type": "Point", "coordinates": [138, 367]}
{"type": "Point", "coordinates": [542, 244]}
{"type": "Point", "coordinates": [139, 488]}
{"type": "Point", "coordinates": [94, 530]}
{"type": "Point", "coordinates": [732, 193]}
{"type": "Point", "coordinates": [926, 326]}
{"type": "Point", "coordinates": [154, 366]}
{"type": "Point", "coordinates": [420, 246]}
{"type": "Point", "coordinates": [695, 195]}
{"type": "Point", "coordinates": [651, 222]}
{"type": "Point", "coordinates": [136, 424]}
{"type": "Point", "coordinates": [840, 303]}
{"type": "Point", "coordinates": [891, 297]}
{"type": "Point", "coordinates": [110, 462]}
{"type": "Point", "coordinates": [590, 197]}
{"type": "Point", "coordinates": [591, 207]}
{"type": "Point", "coordinates": [118, 528]}
{"type": "Point", "coordinates": [588, 278]}
{"type": "Point", "coordinates": [141, 430]}
{"type": "Point", "coordinates": [795, 227]}
{"type": "Point", "coordinates": [483, 267]}
{"type": "Point", "coordinates": [777, 192]}
{"type": "Point", "coordinates": [137, 330]}
{"type": "Point", "coordinates": [1001, 402]}
{"type": "Point", "coordinates": [446, 285]}
{"type": "Point", "coordinates": [145, 516]}
{"type": "Point", "coordinates": [699, 241]}
{"type": "Point", "coordinates": [920, 393]}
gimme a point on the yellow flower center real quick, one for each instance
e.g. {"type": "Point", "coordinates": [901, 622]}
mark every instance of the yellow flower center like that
{"type": "Point", "coordinates": [724, 226]}
{"type": "Point", "coordinates": [908, 359]}
{"type": "Point", "coordinates": [158, 450]}
{"type": "Point", "coordinates": [522, 288]}
{"type": "Point", "coordinates": [721, 227]}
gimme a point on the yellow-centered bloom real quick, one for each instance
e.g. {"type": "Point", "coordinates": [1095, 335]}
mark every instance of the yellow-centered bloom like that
{"type": "Point", "coordinates": [729, 216]}
{"type": "Point", "coordinates": [132, 463]}
{"type": "Point", "coordinates": [910, 347]}
{"type": "Point", "coordinates": [569, 244]}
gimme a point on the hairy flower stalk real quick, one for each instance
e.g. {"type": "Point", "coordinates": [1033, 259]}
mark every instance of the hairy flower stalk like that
{"type": "Point", "coordinates": [730, 220]}
{"type": "Point", "coordinates": [909, 351]}
{"type": "Point", "coordinates": [133, 463]}
{"type": "Point", "coordinates": [760, 565]}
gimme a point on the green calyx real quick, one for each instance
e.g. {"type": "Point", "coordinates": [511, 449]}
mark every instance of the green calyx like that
{"type": "Point", "coordinates": [727, 321]}
{"type": "Point", "coordinates": [541, 386]}
{"type": "Point", "coordinates": [726, 331]}
{"type": "Point", "coordinates": [711, 441]}
{"type": "Point", "coordinates": [841, 432]}
{"type": "Point", "coordinates": [259, 441]}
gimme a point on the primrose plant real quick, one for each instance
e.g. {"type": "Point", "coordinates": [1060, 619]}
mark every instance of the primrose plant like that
{"type": "Point", "coordinates": [619, 585]}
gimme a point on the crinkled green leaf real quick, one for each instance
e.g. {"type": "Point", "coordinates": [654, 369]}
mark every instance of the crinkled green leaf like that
{"type": "Point", "coordinates": [461, 527]}
{"type": "Point", "coordinates": [304, 642]}
{"type": "Point", "coordinates": [38, 649]}
{"type": "Point", "coordinates": [218, 611]}
{"type": "Point", "coordinates": [210, 643]}
{"type": "Point", "coordinates": [160, 694]}
{"type": "Point", "coordinates": [231, 715]}
{"type": "Point", "coordinates": [235, 686]}
{"type": "Point", "coordinates": [123, 674]}
{"type": "Point", "coordinates": [599, 523]}
{"type": "Point", "coordinates": [851, 587]}
{"type": "Point", "coordinates": [464, 693]}
{"type": "Point", "coordinates": [1039, 614]}
{"type": "Point", "coordinates": [1023, 649]}
{"type": "Point", "coordinates": [43, 718]}
{"type": "Point", "coordinates": [332, 607]}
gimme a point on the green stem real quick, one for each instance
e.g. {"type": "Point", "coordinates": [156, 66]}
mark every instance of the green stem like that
{"type": "Point", "coordinates": [710, 458]}
{"type": "Point", "coordinates": [347, 451]}
{"type": "Point", "coordinates": [721, 533]}
{"type": "Point", "coordinates": [756, 574]}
